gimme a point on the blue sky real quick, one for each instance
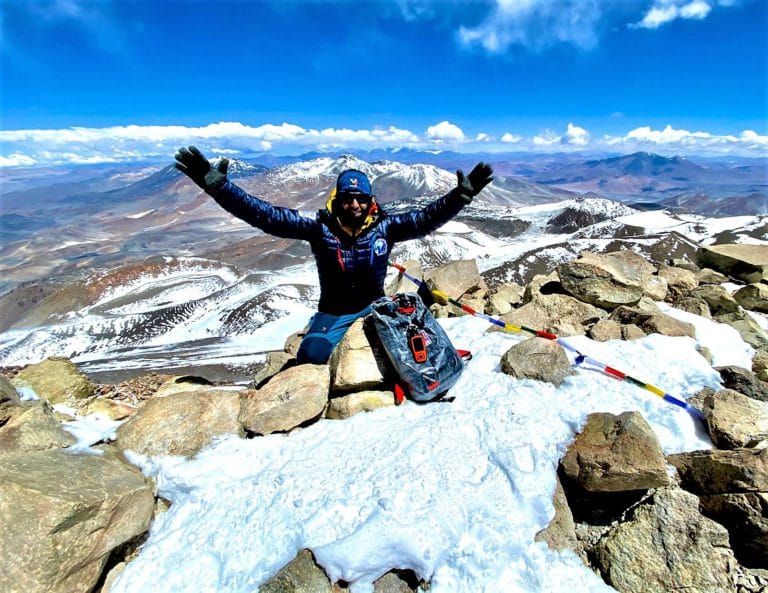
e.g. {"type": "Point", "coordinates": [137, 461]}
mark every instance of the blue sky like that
{"type": "Point", "coordinates": [109, 80]}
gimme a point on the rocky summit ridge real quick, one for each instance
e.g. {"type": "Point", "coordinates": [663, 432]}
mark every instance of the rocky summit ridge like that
{"type": "Point", "coordinates": [638, 525]}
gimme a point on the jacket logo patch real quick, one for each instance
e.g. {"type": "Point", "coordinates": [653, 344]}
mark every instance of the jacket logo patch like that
{"type": "Point", "coordinates": [380, 246]}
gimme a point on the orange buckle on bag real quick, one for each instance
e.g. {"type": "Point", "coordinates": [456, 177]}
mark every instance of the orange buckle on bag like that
{"type": "Point", "coordinates": [418, 348]}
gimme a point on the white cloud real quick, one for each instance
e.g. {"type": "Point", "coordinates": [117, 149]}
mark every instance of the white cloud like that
{"type": "Point", "coordinates": [576, 136]}
{"type": "Point", "coordinates": [445, 131]}
{"type": "Point", "coordinates": [536, 24]}
{"type": "Point", "coordinates": [665, 11]}
{"type": "Point", "coordinates": [511, 138]}
{"type": "Point", "coordinates": [137, 143]}
{"type": "Point", "coordinates": [546, 138]}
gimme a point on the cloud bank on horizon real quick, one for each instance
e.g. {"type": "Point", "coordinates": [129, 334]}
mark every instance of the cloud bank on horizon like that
{"type": "Point", "coordinates": [135, 143]}
{"type": "Point", "coordinates": [498, 32]}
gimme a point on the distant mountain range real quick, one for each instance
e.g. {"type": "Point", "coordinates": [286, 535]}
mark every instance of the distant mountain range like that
{"type": "Point", "coordinates": [141, 258]}
{"type": "Point", "coordinates": [60, 221]}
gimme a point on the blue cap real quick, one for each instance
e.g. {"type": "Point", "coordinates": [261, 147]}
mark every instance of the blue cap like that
{"type": "Point", "coordinates": [353, 181]}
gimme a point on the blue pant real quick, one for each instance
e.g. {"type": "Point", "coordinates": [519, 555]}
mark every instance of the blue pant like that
{"type": "Point", "coordinates": [325, 332]}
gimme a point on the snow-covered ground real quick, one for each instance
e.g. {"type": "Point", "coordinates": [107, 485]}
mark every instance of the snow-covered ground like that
{"type": "Point", "coordinates": [455, 491]}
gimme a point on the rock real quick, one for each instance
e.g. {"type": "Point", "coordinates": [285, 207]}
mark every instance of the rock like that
{"type": "Point", "coordinates": [392, 582]}
{"type": "Point", "coordinates": [753, 297]}
{"type": "Point", "coordinates": [56, 380]}
{"type": "Point", "coordinates": [8, 392]}
{"type": "Point", "coordinates": [604, 330]}
{"type": "Point", "coordinates": [293, 342]}
{"type": "Point", "coordinates": [454, 278]}
{"type": "Point", "coordinates": [354, 367]}
{"type": "Point", "coordinates": [611, 279]}
{"type": "Point", "coordinates": [693, 305]}
{"type": "Point", "coordinates": [666, 545]}
{"type": "Point", "coordinates": [749, 330]}
{"type": "Point", "coordinates": [653, 323]}
{"type": "Point", "coordinates": [354, 403]}
{"type": "Point", "coordinates": [300, 575]}
{"type": "Point", "coordinates": [182, 384]}
{"type": "Point", "coordinates": [504, 298]}
{"type": "Point", "coordinates": [732, 488]}
{"type": "Point", "coordinates": [710, 276]}
{"type": "Point", "coordinates": [751, 580]}
{"type": "Point", "coordinates": [721, 472]}
{"type": "Point", "coordinates": [631, 332]}
{"type": "Point", "coordinates": [542, 284]}
{"type": "Point", "coordinates": [402, 284]}
{"type": "Point", "coordinates": [735, 420]}
{"type": "Point", "coordinates": [679, 280]}
{"type": "Point", "coordinates": [744, 382]}
{"type": "Point", "coordinates": [181, 423]}
{"type": "Point", "coordinates": [615, 454]}
{"type": "Point", "coordinates": [760, 367]}
{"type": "Point", "coordinates": [537, 358]}
{"type": "Point", "coordinates": [559, 314]}
{"type": "Point", "coordinates": [717, 297]}
{"type": "Point", "coordinates": [741, 261]}
{"type": "Point", "coordinates": [745, 516]}
{"type": "Point", "coordinates": [114, 410]}
{"type": "Point", "coordinates": [30, 426]}
{"type": "Point", "coordinates": [684, 264]}
{"type": "Point", "coordinates": [560, 534]}
{"type": "Point", "coordinates": [275, 362]}
{"type": "Point", "coordinates": [292, 398]}
{"type": "Point", "coordinates": [63, 514]}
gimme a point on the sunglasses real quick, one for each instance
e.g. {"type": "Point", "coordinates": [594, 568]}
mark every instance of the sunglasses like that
{"type": "Point", "coordinates": [349, 198]}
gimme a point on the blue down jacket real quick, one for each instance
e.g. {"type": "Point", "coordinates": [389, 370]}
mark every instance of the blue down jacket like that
{"type": "Point", "coordinates": [351, 265]}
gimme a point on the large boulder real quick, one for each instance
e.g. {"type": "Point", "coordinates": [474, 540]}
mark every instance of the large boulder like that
{"type": "Point", "coordinates": [537, 358]}
{"type": "Point", "coordinates": [275, 362]}
{"type": "Point", "coordinates": [354, 366]}
{"type": "Point", "coordinates": [735, 420]}
{"type": "Point", "coordinates": [744, 381]}
{"type": "Point", "coordinates": [679, 280]}
{"type": "Point", "coordinates": [455, 278]}
{"type": "Point", "coordinates": [667, 545]}
{"type": "Point", "coordinates": [56, 380]}
{"type": "Point", "coordinates": [291, 398]}
{"type": "Point", "coordinates": [716, 471]}
{"type": "Point", "coordinates": [612, 279]}
{"type": "Point", "coordinates": [745, 262]}
{"type": "Point", "coordinates": [504, 298]}
{"type": "Point", "coordinates": [30, 426]}
{"type": "Point", "coordinates": [717, 297]}
{"type": "Point", "coordinates": [181, 423]}
{"type": "Point", "coordinates": [653, 322]}
{"type": "Point", "coordinates": [559, 314]}
{"type": "Point", "coordinates": [732, 487]}
{"type": "Point", "coordinates": [62, 515]}
{"type": "Point", "coordinates": [615, 454]}
{"type": "Point", "coordinates": [753, 297]}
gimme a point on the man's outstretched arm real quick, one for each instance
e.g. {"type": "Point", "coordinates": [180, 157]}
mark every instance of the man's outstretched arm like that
{"type": "Point", "coordinates": [283, 222]}
{"type": "Point", "coordinates": [417, 223]}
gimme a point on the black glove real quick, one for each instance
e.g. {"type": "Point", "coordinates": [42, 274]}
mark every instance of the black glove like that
{"type": "Point", "coordinates": [474, 183]}
{"type": "Point", "coordinates": [193, 164]}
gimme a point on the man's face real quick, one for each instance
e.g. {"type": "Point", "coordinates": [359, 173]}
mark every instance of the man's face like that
{"type": "Point", "coordinates": [354, 208]}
